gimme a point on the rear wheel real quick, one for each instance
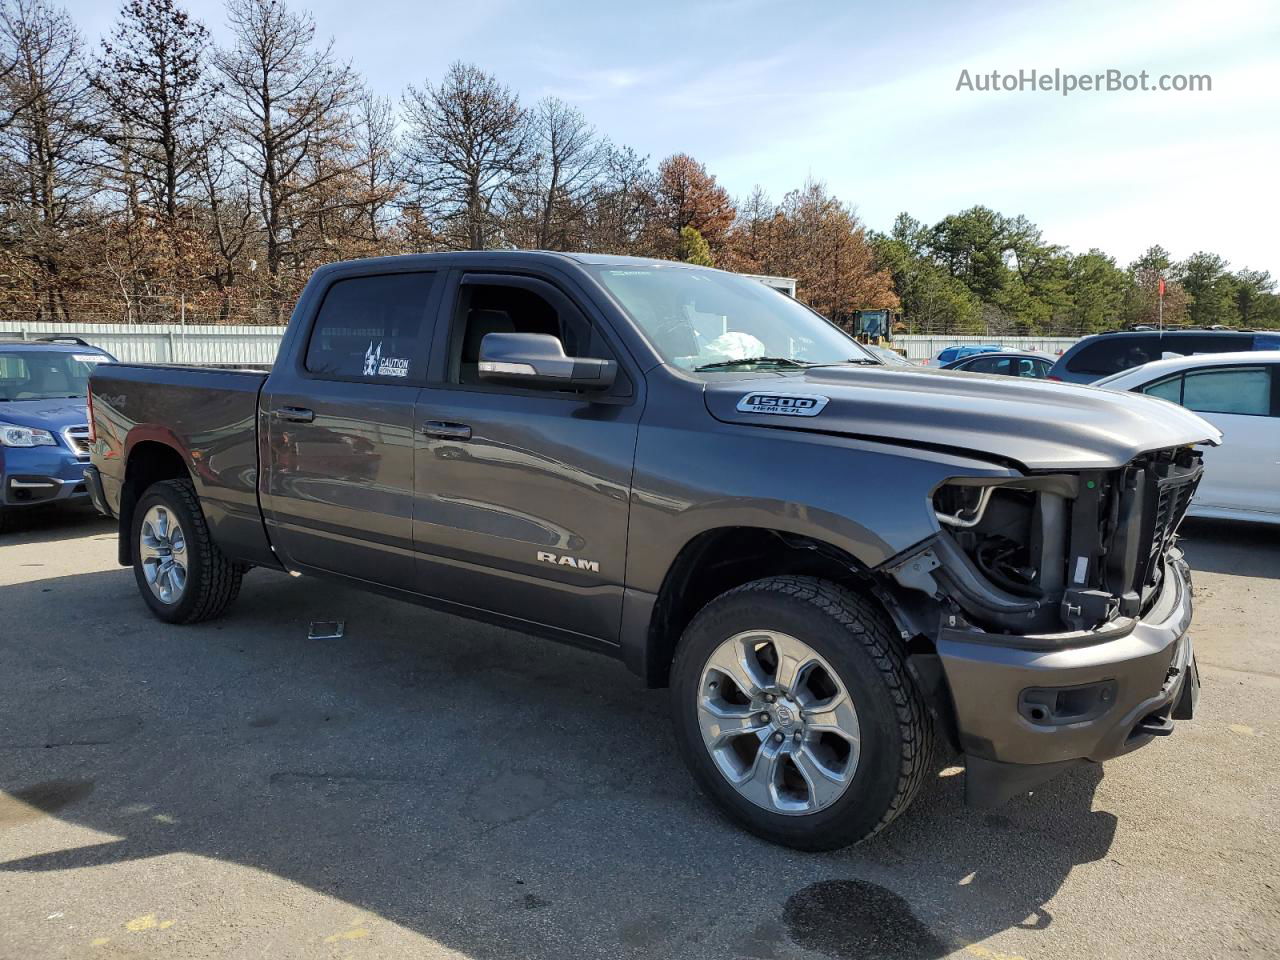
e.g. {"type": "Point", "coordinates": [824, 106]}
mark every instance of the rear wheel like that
{"type": "Point", "coordinates": [794, 710]}
{"type": "Point", "coordinates": [181, 573]}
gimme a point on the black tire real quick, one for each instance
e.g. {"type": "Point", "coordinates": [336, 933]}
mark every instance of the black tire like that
{"type": "Point", "coordinates": [6, 518]}
{"type": "Point", "coordinates": [856, 638]}
{"type": "Point", "coordinates": [213, 580]}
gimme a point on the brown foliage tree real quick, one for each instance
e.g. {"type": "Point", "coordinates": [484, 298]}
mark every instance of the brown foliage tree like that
{"type": "Point", "coordinates": [687, 196]}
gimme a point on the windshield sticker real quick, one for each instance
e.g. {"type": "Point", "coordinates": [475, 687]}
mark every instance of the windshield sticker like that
{"type": "Point", "coordinates": [88, 357]}
{"type": "Point", "coordinates": [783, 404]}
{"type": "Point", "coordinates": [376, 365]}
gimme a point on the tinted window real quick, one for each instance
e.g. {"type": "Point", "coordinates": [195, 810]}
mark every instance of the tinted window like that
{"type": "Point", "coordinates": [1113, 354]}
{"type": "Point", "coordinates": [1244, 390]}
{"type": "Point", "coordinates": [987, 365]}
{"type": "Point", "coordinates": [1170, 389]}
{"type": "Point", "coordinates": [1266, 341]}
{"type": "Point", "coordinates": [1187, 344]}
{"type": "Point", "coordinates": [373, 328]}
{"type": "Point", "coordinates": [1030, 367]}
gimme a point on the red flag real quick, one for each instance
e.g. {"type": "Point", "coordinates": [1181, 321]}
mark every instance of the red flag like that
{"type": "Point", "coordinates": [1162, 286]}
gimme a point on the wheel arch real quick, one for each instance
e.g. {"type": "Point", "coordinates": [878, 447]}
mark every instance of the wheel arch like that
{"type": "Point", "coordinates": [717, 560]}
{"type": "Point", "coordinates": [149, 461]}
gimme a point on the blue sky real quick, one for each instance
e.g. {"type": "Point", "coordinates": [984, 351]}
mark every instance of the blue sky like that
{"type": "Point", "coordinates": [864, 97]}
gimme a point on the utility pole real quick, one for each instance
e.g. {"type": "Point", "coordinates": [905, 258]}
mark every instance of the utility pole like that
{"type": "Point", "coordinates": [1160, 309]}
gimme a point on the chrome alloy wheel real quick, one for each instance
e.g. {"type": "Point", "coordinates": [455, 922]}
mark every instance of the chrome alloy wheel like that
{"type": "Point", "coordinates": [162, 547]}
{"type": "Point", "coordinates": [778, 722]}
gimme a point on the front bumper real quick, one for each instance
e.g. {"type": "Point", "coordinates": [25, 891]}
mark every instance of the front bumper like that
{"type": "Point", "coordinates": [41, 475]}
{"type": "Point", "coordinates": [1024, 715]}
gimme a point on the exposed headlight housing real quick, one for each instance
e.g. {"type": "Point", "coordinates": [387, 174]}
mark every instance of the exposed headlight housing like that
{"type": "Point", "coordinates": [14, 436]}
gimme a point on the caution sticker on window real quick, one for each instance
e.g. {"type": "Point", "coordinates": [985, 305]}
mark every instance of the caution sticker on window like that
{"type": "Point", "coordinates": [376, 365]}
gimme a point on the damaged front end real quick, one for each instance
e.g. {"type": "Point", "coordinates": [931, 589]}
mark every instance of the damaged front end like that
{"type": "Point", "coordinates": [1058, 606]}
{"type": "Point", "coordinates": [1053, 553]}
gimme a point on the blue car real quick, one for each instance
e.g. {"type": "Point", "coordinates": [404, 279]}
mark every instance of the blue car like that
{"type": "Point", "coordinates": [44, 432]}
{"type": "Point", "coordinates": [951, 354]}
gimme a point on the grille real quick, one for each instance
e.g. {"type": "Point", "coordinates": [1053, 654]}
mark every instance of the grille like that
{"type": "Point", "coordinates": [77, 439]}
{"type": "Point", "coordinates": [1172, 485]}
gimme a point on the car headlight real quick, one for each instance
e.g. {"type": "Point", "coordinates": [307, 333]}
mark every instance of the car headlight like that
{"type": "Point", "coordinates": [11, 436]}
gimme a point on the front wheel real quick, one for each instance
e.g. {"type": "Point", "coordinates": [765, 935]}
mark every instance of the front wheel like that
{"type": "Point", "coordinates": [794, 710]}
{"type": "Point", "coordinates": [181, 573]}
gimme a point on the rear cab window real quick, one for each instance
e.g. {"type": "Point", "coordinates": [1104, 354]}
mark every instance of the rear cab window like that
{"type": "Point", "coordinates": [373, 328]}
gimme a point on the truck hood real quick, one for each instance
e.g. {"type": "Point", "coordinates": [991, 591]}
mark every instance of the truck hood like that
{"type": "Point", "coordinates": [53, 415]}
{"type": "Point", "coordinates": [1039, 424]}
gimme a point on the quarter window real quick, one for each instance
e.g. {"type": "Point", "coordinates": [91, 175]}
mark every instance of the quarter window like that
{"type": "Point", "coordinates": [373, 328]}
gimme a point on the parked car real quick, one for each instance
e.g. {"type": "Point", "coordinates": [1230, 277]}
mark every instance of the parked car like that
{"type": "Point", "coordinates": [44, 432]}
{"type": "Point", "coordinates": [636, 456]}
{"type": "Point", "coordinates": [888, 356]}
{"type": "Point", "coordinates": [1239, 393]}
{"type": "Point", "coordinates": [1005, 364]}
{"type": "Point", "coordinates": [1104, 354]}
{"type": "Point", "coordinates": [949, 354]}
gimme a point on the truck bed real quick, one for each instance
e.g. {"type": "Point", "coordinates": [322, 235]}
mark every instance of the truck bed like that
{"type": "Point", "coordinates": [209, 415]}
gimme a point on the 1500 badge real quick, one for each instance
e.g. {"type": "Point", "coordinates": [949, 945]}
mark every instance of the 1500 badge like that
{"type": "Point", "coordinates": [783, 404]}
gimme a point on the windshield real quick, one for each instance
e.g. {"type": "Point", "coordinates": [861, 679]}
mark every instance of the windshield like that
{"type": "Point", "coordinates": [34, 374]}
{"type": "Point", "coordinates": [706, 319]}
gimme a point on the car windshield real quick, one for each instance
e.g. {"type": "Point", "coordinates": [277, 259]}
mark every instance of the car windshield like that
{"type": "Point", "coordinates": [710, 320]}
{"type": "Point", "coordinates": [35, 374]}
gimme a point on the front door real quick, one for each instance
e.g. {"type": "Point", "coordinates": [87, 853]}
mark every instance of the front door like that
{"type": "Point", "coordinates": [522, 494]}
{"type": "Point", "coordinates": [339, 430]}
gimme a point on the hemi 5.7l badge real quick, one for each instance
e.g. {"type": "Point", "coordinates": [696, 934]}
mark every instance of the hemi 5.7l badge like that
{"type": "Point", "coordinates": [783, 404]}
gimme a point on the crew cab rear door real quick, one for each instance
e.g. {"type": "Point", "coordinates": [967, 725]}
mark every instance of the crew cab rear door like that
{"type": "Point", "coordinates": [523, 494]}
{"type": "Point", "coordinates": [338, 434]}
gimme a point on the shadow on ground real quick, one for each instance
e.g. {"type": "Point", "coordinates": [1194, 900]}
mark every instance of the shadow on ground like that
{"type": "Point", "coordinates": [1232, 547]}
{"type": "Point", "coordinates": [502, 796]}
{"type": "Point", "coordinates": [53, 524]}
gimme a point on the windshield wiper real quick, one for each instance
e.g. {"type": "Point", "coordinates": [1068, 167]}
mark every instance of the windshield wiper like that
{"type": "Point", "coordinates": [868, 361]}
{"type": "Point", "coordinates": [788, 361]}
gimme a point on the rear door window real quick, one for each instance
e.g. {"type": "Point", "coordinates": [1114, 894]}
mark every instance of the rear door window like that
{"type": "Point", "coordinates": [373, 328]}
{"type": "Point", "coordinates": [1239, 390]}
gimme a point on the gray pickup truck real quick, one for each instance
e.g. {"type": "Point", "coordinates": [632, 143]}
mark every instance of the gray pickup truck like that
{"type": "Point", "coordinates": [834, 565]}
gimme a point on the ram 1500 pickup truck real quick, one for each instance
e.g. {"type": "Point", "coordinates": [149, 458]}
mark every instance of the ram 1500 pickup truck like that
{"type": "Point", "coordinates": [833, 564]}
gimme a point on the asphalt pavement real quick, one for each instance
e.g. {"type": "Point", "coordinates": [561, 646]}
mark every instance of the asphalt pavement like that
{"type": "Point", "coordinates": [430, 787]}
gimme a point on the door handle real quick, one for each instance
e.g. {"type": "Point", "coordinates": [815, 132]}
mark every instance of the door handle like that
{"type": "Point", "coordinates": [443, 430]}
{"type": "Point", "coordinates": [294, 414]}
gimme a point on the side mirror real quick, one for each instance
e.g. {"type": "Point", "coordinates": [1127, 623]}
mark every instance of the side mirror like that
{"type": "Point", "coordinates": [537, 359]}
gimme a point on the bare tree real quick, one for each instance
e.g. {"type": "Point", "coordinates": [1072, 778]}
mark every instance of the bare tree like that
{"type": "Point", "coordinates": [288, 102]}
{"type": "Point", "coordinates": [621, 205]}
{"type": "Point", "coordinates": [153, 79]}
{"type": "Point", "coordinates": [228, 214]}
{"type": "Point", "coordinates": [568, 162]}
{"type": "Point", "coordinates": [377, 145]}
{"type": "Point", "coordinates": [466, 142]}
{"type": "Point", "coordinates": [46, 146]}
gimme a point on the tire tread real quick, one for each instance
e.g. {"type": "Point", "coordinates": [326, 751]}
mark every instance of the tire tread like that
{"type": "Point", "coordinates": [866, 622]}
{"type": "Point", "coordinates": [220, 577]}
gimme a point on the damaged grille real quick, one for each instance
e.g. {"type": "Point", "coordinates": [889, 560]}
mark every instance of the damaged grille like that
{"type": "Point", "coordinates": [1174, 486]}
{"type": "Point", "coordinates": [1043, 554]}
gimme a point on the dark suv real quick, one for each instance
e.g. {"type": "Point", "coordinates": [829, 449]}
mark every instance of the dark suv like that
{"type": "Point", "coordinates": [1106, 353]}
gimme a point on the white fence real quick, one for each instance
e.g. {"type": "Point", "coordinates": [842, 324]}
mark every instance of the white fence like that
{"type": "Point", "coordinates": [920, 346]}
{"type": "Point", "coordinates": [165, 342]}
{"type": "Point", "coordinates": [231, 345]}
